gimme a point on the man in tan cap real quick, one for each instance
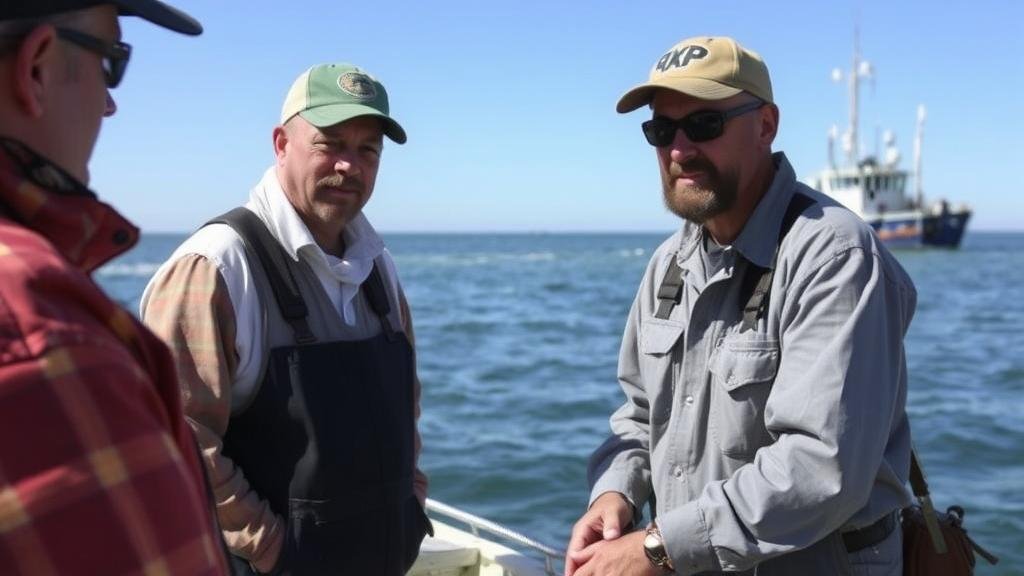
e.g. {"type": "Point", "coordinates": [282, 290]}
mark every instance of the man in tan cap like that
{"type": "Point", "coordinates": [295, 346]}
{"type": "Point", "coordinates": [762, 362]}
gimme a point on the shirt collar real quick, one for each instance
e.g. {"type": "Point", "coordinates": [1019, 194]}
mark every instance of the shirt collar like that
{"type": "Point", "coordinates": [362, 243]}
{"type": "Point", "coordinates": [760, 235]}
{"type": "Point", "coordinates": [43, 197]}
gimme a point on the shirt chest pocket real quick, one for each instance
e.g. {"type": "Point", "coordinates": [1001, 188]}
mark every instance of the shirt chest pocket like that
{"type": "Point", "coordinates": [742, 370]}
{"type": "Point", "coordinates": [658, 339]}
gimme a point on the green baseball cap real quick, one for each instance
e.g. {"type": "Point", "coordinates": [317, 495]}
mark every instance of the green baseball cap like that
{"type": "Point", "coordinates": [329, 94]}
{"type": "Point", "coordinates": [709, 68]}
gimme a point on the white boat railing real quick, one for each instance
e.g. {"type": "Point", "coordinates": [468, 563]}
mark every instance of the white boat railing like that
{"type": "Point", "coordinates": [476, 524]}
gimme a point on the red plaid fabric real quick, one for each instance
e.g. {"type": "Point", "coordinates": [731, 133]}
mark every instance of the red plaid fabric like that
{"type": "Point", "coordinates": [98, 470]}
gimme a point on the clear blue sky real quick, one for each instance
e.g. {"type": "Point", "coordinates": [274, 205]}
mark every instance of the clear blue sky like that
{"type": "Point", "coordinates": [509, 105]}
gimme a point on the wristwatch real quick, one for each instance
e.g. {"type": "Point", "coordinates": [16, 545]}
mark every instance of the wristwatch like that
{"type": "Point", "coordinates": [654, 548]}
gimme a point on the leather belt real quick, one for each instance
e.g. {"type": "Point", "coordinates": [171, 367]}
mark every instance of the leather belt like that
{"type": "Point", "coordinates": [857, 540]}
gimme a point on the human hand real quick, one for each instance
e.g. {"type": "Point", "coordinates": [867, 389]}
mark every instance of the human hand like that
{"type": "Point", "coordinates": [605, 520]}
{"type": "Point", "coordinates": [620, 557]}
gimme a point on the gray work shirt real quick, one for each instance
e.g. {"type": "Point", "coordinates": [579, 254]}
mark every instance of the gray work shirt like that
{"type": "Point", "coordinates": [773, 440]}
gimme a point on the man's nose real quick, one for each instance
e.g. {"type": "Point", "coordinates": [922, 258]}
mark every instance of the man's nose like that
{"type": "Point", "coordinates": [344, 164]}
{"type": "Point", "coordinates": [682, 148]}
{"type": "Point", "coordinates": [111, 105]}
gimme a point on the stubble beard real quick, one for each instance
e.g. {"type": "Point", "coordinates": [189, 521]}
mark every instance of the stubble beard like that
{"type": "Point", "coordinates": [699, 203]}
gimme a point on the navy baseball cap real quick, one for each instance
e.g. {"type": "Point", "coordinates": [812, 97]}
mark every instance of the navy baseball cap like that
{"type": "Point", "coordinates": [156, 12]}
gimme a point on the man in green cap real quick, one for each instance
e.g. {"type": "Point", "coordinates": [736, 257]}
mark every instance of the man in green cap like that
{"type": "Point", "coordinates": [762, 364]}
{"type": "Point", "coordinates": [295, 347]}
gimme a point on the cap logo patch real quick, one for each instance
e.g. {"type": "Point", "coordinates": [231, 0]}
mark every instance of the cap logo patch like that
{"type": "Point", "coordinates": [357, 85]}
{"type": "Point", "coordinates": [681, 57]}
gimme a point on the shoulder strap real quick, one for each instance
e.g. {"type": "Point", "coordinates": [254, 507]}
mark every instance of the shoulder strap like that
{"type": "Point", "coordinates": [920, 487]}
{"type": "Point", "coordinates": [671, 289]}
{"type": "Point", "coordinates": [931, 519]}
{"type": "Point", "coordinates": [757, 282]}
{"type": "Point", "coordinates": [377, 295]}
{"type": "Point", "coordinates": [276, 264]}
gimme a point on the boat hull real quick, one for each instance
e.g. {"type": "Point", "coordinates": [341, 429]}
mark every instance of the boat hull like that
{"type": "Point", "coordinates": [898, 230]}
{"type": "Point", "coordinates": [945, 230]}
{"type": "Point", "coordinates": [919, 230]}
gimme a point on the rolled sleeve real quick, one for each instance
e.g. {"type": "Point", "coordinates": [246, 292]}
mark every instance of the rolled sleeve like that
{"type": "Point", "coordinates": [687, 540]}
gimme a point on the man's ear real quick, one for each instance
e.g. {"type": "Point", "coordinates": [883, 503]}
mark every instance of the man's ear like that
{"type": "Point", "coordinates": [769, 126]}
{"type": "Point", "coordinates": [34, 70]}
{"type": "Point", "coordinates": [280, 137]}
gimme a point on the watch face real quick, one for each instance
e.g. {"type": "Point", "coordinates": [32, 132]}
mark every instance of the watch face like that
{"type": "Point", "coordinates": [654, 548]}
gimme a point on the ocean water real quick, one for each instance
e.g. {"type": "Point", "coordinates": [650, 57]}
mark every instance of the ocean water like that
{"type": "Point", "coordinates": [518, 338]}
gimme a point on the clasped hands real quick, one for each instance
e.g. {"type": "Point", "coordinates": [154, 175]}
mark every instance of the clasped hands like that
{"type": "Point", "coordinates": [598, 546]}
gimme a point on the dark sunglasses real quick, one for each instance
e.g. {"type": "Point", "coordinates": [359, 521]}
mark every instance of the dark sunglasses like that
{"type": "Point", "coordinates": [115, 55]}
{"type": "Point", "coordinates": [699, 126]}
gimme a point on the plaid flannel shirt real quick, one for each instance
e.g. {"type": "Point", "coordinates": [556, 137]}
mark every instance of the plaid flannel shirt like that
{"type": "Point", "coordinates": [99, 472]}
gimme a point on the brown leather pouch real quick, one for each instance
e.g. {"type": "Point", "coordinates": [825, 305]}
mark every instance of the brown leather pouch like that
{"type": "Point", "coordinates": [936, 544]}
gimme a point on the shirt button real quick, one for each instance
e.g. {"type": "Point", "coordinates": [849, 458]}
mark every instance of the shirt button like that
{"type": "Point", "coordinates": [689, 400]}
{"type": "Point", "coordinates": [677, 471]}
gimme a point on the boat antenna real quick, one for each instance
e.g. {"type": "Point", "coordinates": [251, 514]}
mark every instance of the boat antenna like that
{"type": "Point", "coordinates": [860, 68]}
{"type": "Point", "coordinates": [854, 94]}
{"type": "Point", "coordinates": [918, 138]}
{"type": "Point", "coordinates": [833, 133]}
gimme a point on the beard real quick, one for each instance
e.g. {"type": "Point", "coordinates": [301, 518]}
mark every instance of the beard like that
{"type": "Point", "coordinates": [699, 203]}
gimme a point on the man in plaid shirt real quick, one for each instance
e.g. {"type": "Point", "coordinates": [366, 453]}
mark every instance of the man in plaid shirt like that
{"type": "Point", "coordinates": [99, 473]}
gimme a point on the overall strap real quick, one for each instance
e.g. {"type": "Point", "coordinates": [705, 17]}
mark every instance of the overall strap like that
{"type": "Point", "coordinates": [377, 296]}
{"type": "Point", "coordinates": [671, 290]}
{"type": "Point", "coordinates": [757, 282]}
{"type": "Point", "coordinates": [277, 265]}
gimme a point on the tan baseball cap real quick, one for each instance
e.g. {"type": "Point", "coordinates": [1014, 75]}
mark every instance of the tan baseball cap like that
{"type": "Point", "coordinates": [329, 94]}
{"type": "Point", "coordinates": [705, 67]}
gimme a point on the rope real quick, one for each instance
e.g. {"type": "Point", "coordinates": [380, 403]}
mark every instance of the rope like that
{"type": "Point", "coordinates": [478, 523]}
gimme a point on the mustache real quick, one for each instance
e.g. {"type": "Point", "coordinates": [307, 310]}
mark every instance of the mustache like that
{"type": "Point", "coordinates": [676, 169]}
{"type": "Point", "coordinates": [346, 183]}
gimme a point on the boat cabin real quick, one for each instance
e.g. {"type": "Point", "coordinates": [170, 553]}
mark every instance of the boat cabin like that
{"type": "Point", "coordinates": [868, 189]}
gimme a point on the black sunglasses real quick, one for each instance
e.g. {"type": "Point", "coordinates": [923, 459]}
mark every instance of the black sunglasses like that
{"type": "Point", "coordinates": [115, 55]}
{"type": "Point", "coordinates": [699, 126]}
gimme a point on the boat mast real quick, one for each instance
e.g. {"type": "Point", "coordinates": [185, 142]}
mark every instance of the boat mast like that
{"type": "Point", "coordinates": [851, 139]}
{"type": "Point", "coordinates": [851, 152]}
{"type": "Point", "coordinates": [918, 137]}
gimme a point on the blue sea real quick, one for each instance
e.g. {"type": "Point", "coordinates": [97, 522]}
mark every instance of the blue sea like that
{"type": "Point", "coordinates": [518, 336]}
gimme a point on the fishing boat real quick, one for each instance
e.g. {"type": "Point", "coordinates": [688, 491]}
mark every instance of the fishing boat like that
{"type": "Point", "coordinates": [876, 189]}
{"type": "Point", "coordinates": [468, 545]}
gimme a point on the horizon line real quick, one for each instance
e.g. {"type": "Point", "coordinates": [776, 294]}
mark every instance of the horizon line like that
{"type": "Point", "coordinates": [514, 232]}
